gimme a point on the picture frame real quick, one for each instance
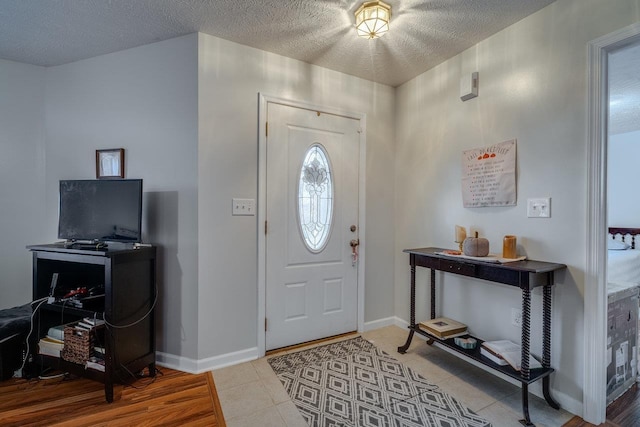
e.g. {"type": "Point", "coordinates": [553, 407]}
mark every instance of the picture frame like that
{"type": "Point", "coordinates": [110, 163]}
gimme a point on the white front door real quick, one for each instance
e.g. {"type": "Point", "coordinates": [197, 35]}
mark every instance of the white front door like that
{"type": "Point", "coordinates": [312, 217]}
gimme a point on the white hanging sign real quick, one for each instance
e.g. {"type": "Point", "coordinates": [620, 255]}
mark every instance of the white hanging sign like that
{"type": "Point", "coordinates": [489, 176]}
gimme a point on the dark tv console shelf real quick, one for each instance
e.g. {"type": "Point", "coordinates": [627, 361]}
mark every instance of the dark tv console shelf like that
{"type": "Point", "coordinates": [525, 275]}
{"type": "Point", "coordinates": [128, 277]}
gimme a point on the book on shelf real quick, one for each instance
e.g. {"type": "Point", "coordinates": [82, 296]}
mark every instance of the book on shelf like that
{"type": "Point", "coordinates": [91, 301]}
{"type": "Point", "coordinates": [87, 324]}
{"type": "Point", "coordinates": [95, 363]}
{"type": "Point", "coordinates": [494, 358]}
{"type": "Point", "coordinates": [94, 321]}
{"type": "Point", "coordinates": [50, 347]}
{"type": "Point", "coordinates": [509, 352]}
{"type": "Point", "coordinates": [57, 332]}
{"type": "Point", "coordinates": [443, 327]}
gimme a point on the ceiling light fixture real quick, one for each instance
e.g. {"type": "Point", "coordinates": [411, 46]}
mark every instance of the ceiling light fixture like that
{"type": "Point", "coordinates": [372, 19]}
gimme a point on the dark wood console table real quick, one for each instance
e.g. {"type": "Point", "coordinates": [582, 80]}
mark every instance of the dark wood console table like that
{"type": "Point", "coordinates": [525, 275]}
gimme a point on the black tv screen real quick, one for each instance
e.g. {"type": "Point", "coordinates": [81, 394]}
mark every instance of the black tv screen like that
{"type": "Point", "coordinates": [101, 210]}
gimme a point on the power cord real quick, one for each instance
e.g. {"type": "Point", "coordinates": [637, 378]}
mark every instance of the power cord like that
{"type": "Point", "coordinates": [33, 313]}
{"type": "Point", "coordinates": [111, 325]}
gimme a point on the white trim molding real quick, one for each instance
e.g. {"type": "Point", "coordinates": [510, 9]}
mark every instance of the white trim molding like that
{"type": "Point", "coordinates": [380, 323]}
{"type": "Point", "coordinates": [595, 294]}
{"type": "Point", "coordinates": [197, 366]}
{"type": "Point", "coordinates": [263, 102]}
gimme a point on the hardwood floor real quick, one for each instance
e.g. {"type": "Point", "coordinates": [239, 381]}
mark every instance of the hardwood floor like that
{"type": "Point", "coordinates": [173, 398]}
{"type": "Point", "coordinates": [623, 412]}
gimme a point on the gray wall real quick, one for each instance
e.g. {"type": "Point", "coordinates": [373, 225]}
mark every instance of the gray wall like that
{"type": "Point", "coordinates": [22, 168]}
{"type": "Point", "coordinates": [144, 100]}
{"type": "Point", "coordinates": [533, 87]}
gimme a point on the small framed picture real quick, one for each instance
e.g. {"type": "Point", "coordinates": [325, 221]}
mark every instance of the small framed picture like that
{"type": "Point", "coordinates": [110, 163]}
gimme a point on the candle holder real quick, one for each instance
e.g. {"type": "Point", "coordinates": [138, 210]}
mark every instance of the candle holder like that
{"type": "Point", "coordinates": [509, 247]}
{"type": "Point", "coordinates": [461, 234]}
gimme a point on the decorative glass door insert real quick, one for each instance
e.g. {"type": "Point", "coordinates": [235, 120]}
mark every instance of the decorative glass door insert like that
{"type": "Point", "coordinates": [315, 198]}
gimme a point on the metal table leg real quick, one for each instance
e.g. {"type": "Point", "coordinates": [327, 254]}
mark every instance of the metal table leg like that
{"type": "Point", "coordinates": [412, 320]}
{"type": "Point", "coordinates": [524, 356]}
{"type": "Point", "coordinates": [546, 343]}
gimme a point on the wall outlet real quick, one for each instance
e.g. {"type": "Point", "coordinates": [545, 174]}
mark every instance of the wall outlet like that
{"type": "Point", "coordinates": [516, 317]}
{"type": "Point", "coordinates": [539, 207]}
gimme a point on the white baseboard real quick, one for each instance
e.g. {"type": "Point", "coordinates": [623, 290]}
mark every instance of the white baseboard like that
{"type": "Point", "coordinates": [194, 366]}
{"type": "Point", "coordinates": [178, 363]}
{"type": "Point", "coordinates": [380, 323]}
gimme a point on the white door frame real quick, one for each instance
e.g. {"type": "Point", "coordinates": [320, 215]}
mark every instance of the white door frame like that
{"type": "Point", "coordinates": [262, 208]}
{"type": "Point", "coordinates": [595, 289]}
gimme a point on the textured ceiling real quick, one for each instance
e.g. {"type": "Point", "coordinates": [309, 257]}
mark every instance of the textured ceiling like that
{"type": "Point", "coordinates": [624, 90]}
{"type": "Point", "coordinates": [423, 33]}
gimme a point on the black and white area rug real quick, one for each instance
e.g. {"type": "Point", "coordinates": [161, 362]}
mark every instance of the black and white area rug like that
{"type": "Point", "coordinates": [353, 383]}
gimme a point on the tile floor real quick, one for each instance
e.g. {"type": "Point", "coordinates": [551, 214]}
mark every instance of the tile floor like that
{"type": "Point", "coordinates": [251, 395]}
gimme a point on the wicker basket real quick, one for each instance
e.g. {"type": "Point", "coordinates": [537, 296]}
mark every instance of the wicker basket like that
{"type": "Point", "coordinates": [78, 344]}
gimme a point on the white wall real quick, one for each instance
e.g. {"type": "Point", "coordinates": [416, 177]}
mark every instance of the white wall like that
{"type": "Point", "coordinates": [623, 152]}
{"type": "Point", "coordinates": [22, 165]}
{"type": "Point", "coordinates": [230, 78]}
{"type": "Point", "coordinates": [144, 100]}
{"type": "Point", "coordinates": [533, 87]}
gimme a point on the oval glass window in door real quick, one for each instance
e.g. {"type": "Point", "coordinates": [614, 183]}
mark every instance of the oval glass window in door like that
{"type": "Point", "coordinates": [315, 198]}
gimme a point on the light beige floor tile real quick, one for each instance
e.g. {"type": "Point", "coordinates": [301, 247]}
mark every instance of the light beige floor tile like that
{"type": "Point", "coordinates": [263, 368]}
{"type": "Point", "coordinates": [427, 369]}
{"type": "Point", "coordinates": [268, 417]}
{"type": "Point", "coordinates": [291, 415]}
{"type": "Point", "coordinates": [540, 412]}
{"type": "Point", "coordinates": [244, 399]}
{"type": "Point", "coordinates": [275, 389]}
{"type": "Point", "coordinates": [390, 338]}
{"type": "Point", "coordinates": [500, 416]}
{"type": "Point", "coordinates": [386, 333]}
{"type": "Point", "coordinates": [235, 375]}
{"type": "Point", "coordinates": [467, 394]}
{"type": "Point", "coordinates": [451, 364]}
{"type": "Point", "coordinates": [489, 383]}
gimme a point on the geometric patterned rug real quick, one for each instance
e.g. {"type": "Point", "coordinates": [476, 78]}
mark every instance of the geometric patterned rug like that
{"type": "Point", "coordinates": [353, 383]}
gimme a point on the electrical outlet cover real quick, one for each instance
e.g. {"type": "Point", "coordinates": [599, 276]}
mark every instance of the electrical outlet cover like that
{"type": "Point", "coordinates": [539, 207]}
{"type": "Point", "coordinates": [516, 317]}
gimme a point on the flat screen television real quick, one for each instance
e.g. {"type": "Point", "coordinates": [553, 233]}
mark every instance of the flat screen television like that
{"type": "Point", "coordinates": [101, 210]}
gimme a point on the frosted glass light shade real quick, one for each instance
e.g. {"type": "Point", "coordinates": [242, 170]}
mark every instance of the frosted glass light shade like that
{"type": "Point", "coordinates": [372, 19]}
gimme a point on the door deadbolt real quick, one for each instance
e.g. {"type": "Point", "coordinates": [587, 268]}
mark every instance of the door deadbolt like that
{"type": "Point", "coordinates": [353, 228]}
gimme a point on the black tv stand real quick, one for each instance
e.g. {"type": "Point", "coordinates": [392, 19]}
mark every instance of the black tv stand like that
{"type": "Point", "coordinates": [128, 277]}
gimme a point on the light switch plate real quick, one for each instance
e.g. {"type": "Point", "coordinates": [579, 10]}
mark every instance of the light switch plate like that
{"type": "Point", "coordinates": [539, 207]}
{"type": "Point", "coordinates": [243, 207]}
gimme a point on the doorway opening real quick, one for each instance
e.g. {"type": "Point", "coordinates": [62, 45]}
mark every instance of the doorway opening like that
{"type": "Point", "coordinates": [595, 306]}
